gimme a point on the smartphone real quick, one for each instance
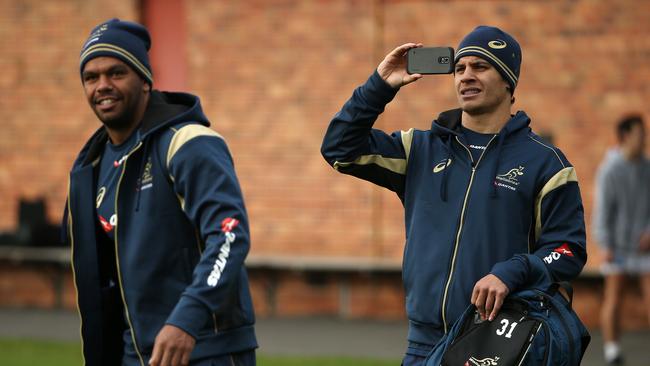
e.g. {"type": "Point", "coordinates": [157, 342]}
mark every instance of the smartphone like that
{"type": "Point", "coordinates": [430, 60]}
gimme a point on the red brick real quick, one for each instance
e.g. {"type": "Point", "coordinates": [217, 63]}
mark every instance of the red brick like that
{"type": "Point", "coordinates": [271, 74]}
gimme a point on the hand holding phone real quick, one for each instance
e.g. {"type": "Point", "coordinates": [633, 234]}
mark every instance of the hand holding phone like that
{"type": "Point", "coordinates": [393, 68]}
{"type": "Point", "coordinates": [430, 60]}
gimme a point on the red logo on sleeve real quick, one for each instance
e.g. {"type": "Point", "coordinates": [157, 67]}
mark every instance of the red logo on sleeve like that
{"type": "Point", "coordinates": [564, 249]}
{"type": "Point", "coordinates": [228, 224]}
{"type": "Point", "coordinates": [105, 224]}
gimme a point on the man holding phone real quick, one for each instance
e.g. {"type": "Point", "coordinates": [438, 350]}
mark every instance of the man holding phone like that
{"type": "Point", "coordinates": [490, 208]}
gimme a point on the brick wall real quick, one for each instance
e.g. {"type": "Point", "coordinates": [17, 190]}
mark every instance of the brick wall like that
{"type": "Point", "coordinates": [45, 118]}
{"type": "Point", "coordinates": [272, 73]}
{"type": "Point", "coordinates": [300, 293]}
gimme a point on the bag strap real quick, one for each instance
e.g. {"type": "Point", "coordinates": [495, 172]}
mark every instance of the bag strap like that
{"type": "Point", "coordinates": [565, 289]}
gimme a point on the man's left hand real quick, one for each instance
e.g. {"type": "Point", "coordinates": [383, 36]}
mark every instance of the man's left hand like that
{"type": "Point", "coordinates": [488, 295]}
{"type": "Point", "coordinates": [172, 347]}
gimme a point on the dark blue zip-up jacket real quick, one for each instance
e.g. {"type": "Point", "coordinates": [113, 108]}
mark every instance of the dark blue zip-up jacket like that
{"type": "Point", "coordinates": [515, 213]}
{"type": "Point", "coordinates": [180, 241]}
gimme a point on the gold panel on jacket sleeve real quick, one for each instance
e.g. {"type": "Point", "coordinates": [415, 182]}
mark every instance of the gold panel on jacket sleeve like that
{"type": "Point", "coordinates": [560, 178]}
{"type": "Point", "coordinates": [394, 165]}
{"type": "Point", "coordinates": [185, 134]}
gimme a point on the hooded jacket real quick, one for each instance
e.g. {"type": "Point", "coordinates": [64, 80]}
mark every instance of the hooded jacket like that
{"type": "Point", "coordinates": [180, 241]}
{"type": "Point", "coordinates": [516, 212]}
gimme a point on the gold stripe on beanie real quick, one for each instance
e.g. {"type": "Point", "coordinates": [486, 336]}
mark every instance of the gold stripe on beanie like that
{"type": "Point", "coordinates": [491, 56]}
{"type": "Point", "coordinates": [120, 51]}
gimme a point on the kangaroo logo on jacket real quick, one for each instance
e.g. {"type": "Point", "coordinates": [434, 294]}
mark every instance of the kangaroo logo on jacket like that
{"type": "Point", "coordinates": [473, 361]}
{"type": "Point", "coordinates": [146, 181]}
{"type": "Point", "coordinates": [509, 179]}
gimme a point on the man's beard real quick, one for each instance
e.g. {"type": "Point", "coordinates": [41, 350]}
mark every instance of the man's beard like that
{"type": "Point", "coordinates": [120, 122]}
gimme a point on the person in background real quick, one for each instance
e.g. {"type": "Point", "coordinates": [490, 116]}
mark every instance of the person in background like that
{"type": "Point", "coordinates": [622, 226]}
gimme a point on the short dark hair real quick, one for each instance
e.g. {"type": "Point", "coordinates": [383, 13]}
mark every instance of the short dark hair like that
{"type": "Point", "coordinates": [626, 124]}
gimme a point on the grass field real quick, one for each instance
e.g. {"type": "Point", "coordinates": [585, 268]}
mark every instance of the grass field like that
{"type": "Point", "coordinates": [21, 352]}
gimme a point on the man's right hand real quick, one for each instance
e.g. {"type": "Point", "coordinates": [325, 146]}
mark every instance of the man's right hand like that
{"type": "Point", "coordinates": [393, 68]}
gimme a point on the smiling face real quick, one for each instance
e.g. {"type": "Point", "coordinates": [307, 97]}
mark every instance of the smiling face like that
{"type": "Point", "coordinates": [480, 89]}
{"type": "Point", "coordinates": [116, 93]}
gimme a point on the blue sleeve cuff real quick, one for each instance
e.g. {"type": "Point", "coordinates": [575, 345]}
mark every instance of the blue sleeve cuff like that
{"type": "Point", "coordinates": [377, 92]}
{"type": "Point", "coordinates": [513, 272]}
{"type": "Point", "coordinates": [189, 315]}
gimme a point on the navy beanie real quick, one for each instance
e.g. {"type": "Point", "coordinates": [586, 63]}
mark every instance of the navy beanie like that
{"type": "Point", "coordinates": [126, 41]}
{"type": "Point", "coordinates": [496, 47]}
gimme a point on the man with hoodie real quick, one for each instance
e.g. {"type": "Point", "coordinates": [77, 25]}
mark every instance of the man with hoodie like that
{"type": "Point", "coordinates": [156, 220]}
{"type": "Point", "coordinates": [622, 226]}
{"type": "Point", "coordinates": [490, 208]}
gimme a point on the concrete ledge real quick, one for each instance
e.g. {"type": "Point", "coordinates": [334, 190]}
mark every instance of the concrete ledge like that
{"type": "Point", "coordinates": [61, 255]}
{"type": "Point", "coordinates": [324, 264]}
{"type": "Point", "coordinates": [288, 286]}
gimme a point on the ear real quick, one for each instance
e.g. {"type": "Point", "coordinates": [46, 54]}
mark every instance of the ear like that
{"type": "Point", "coordinates": [512, 97]}
{"type": "Point", "coordinates": [146, 88]}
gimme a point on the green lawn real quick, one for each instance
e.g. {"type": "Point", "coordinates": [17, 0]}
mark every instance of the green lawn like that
{"type": "Point", "coordinates": [21, 352]}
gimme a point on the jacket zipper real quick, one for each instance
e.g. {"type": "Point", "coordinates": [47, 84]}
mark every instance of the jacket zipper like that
{"type": "Point", "coordinates": [460, 228]}
{"type": "Point", "coordinates": [117, 257]}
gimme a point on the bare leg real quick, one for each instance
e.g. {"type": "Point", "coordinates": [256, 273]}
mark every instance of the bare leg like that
{"type": "Point", "coordinates": [644, 280]}
{"type": "Point", "coordinates": [609, 320]}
